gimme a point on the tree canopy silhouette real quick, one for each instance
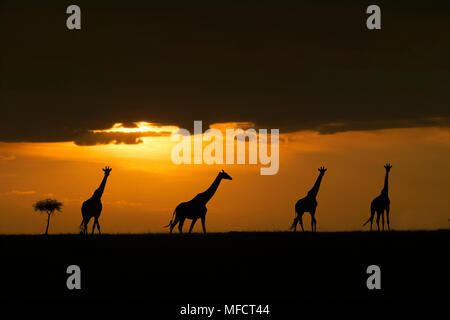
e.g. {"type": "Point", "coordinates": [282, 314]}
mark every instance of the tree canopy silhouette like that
{"type": "Point", "coordinates": [49, 206]}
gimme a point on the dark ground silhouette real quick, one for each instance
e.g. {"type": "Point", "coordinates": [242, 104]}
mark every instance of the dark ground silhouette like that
{"type": "Point", "coordinates": [248, 265]}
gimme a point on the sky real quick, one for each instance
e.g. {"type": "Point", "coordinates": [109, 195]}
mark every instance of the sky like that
{"type": "Point", "coordinates": [342, 96]}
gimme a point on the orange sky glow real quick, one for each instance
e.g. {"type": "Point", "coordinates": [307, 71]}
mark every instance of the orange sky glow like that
{"type": "Point", "coordinates": [145, 186]}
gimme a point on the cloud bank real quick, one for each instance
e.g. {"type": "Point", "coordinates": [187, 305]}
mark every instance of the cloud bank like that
{"type": "Point", "coordinates": [290, 65]}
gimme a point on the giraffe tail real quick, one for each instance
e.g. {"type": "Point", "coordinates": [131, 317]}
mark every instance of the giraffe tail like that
{"type": "Point", "coordinates": [171, 220]}
{"type": "Point", "coordinates": [366, 222]}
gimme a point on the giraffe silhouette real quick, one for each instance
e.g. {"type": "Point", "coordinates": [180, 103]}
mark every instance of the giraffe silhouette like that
{"type": "Point", "coordinates": [93, 206]}
{"type": "Point", "coordinates": [381, 203]}
{"type": "Point", "coordinates": [196, 208]}
{"type": "Point", "coordinates": [308, 204]}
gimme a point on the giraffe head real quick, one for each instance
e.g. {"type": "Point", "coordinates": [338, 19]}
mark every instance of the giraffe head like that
{"type": "Point", "coordinates": [107, 170]}
{"type": "Point", "coordinates": [388, 167]}
{"type": "Point", "coordinates": [322, 170]}
{"type": "Point", "coordinates": [225, 175]}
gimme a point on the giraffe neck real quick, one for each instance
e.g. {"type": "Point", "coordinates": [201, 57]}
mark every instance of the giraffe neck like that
{"type": "Point", "coordinates": [315, 189]}
{"type": "Point", "coordinates": [209, 193]}
{"type": "Point", "coordinates": [99, 192]}
{"type": "Point", "coordinates": [385, 188]}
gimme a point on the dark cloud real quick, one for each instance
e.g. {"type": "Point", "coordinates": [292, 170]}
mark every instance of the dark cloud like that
{"type": "Point", "coordinates": [292, 65]}
{"type": "Point", "coordinates": [94, 138]}
{"type": "Point", "coordinates": [334, 127]}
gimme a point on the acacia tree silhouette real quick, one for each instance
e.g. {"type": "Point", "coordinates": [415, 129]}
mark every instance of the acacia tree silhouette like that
{"type": "Point", "coordinates": [49, 206]}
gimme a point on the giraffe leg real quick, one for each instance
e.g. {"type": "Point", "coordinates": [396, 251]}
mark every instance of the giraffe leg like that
{"type": "Point", "coordinates": [313, 220]}
{"type": "Point", "coordinates": [203, 225]}
{"type": "Point", "coordinates": [85, 227]}
{"type": "Point", "coordinates": [387, 218]}
{"type": "Point", "coordinates": [98, 226]}
{"type": "Point", "coordinates": [180, 225]}
{"type": "Point", "coordinates": [173, 224]}
{"type": "Point", "coordinates": [372, 213]}
{"type": "Point", "coordinates": [382, 219]}
{"type": "Point", "coordinates": [313, 223]}
{"type": "Point", "coordinates": [82, 227]}
{"type": "Point", "coordinates": [378, 220]}
{"type": "Point", "coordinates": [300, 219]}
{"type": "Point", "coordinates": [294, 224]}
{"type": "Point", "coordinates": [192, 224]}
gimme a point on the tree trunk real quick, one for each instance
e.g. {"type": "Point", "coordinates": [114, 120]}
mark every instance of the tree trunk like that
{"type": "Point", "coordinates": [48, 222]}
